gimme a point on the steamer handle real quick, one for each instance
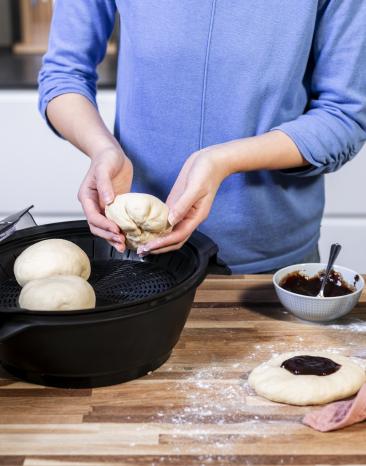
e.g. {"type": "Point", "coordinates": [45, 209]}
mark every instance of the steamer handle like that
{"type": "Point", "coordinates": [216, 266]}
{"type": "Point", "coordinates": [10, 329]}
{"type": "Point", "coordinates": [208, 250]}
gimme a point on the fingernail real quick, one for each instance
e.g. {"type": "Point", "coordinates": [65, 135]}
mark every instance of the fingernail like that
{"type": "Point", "coordinates": [117, 239]}
{"type": "Point", "coordinates": [171, 219]}
{"type": "Point", "coordinates": [142, 250]}
{"type": "Point", "coordinates": [107, 198]}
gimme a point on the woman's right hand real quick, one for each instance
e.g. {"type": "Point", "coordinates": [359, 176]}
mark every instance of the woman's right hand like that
{"type": "Point", "coordinates": [110, 173]}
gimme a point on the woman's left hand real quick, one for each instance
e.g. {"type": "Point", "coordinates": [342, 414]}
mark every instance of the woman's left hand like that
{"type": "Point", "coordinates": [191, 198]}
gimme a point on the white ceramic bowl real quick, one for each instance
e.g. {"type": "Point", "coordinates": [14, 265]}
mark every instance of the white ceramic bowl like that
{"type": "Point", "coordinates": [313, 308]}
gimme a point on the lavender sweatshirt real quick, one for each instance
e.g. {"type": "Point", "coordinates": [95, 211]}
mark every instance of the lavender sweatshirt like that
{"type": "Point", "coordinates": [193, 73]}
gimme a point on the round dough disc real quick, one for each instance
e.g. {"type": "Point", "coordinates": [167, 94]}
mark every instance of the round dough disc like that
{"type": "Point", "coordinates": [276, 383]}
{"type": "Point", "coordinates": [49, 258]}
{"type": "Point", "coordinates": [61, 293]}
{"type": "Point", "coordinates": [141, 217]}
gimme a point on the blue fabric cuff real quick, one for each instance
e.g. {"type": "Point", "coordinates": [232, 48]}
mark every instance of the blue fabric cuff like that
{"type": "Point", "coordinates": [315, 167]}
{"type": "Point", "coordinates": [46, 97]}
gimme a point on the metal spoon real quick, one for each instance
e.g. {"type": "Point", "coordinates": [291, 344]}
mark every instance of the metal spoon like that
{"type": "Point", "coordinates": [334, 251]}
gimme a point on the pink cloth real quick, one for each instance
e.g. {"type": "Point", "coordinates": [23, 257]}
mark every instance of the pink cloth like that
{"type": "Point", "coordinates": [339, 414]}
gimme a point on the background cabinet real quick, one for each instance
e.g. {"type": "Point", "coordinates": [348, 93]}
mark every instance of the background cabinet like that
{"type": "Point", "coordinates": [38, 168]}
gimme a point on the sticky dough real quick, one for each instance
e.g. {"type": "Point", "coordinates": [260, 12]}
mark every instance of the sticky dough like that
{"type": "Point", "coordinates": [141, 217]}
{"type": "Point", "coordinates": [60, 293]}
{"type": "Point", "coordinates": [49, 258]}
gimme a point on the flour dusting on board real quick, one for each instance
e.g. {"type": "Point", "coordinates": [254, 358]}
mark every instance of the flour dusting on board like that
{"type": "Point", "coordinates": [216, 410]}
{"type": "Point", "coordinates": [355, 325]}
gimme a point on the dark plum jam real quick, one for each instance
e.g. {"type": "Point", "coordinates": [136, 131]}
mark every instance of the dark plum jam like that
{"type": "Point", "coordinates": [298, 282]}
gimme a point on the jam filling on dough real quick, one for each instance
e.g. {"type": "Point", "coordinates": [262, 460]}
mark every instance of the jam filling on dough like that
{"type": "Point", "coordinates": [310, 365]}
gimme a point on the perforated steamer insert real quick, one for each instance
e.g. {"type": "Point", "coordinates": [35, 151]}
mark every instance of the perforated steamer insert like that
{"type": "Point", "coordinates": [114, 281]}
{"type": "Point", "coordinates": [141, 310]}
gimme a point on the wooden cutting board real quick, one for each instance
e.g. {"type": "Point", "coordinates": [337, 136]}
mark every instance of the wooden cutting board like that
{"type": "Point", "coordinates": [197, 409]}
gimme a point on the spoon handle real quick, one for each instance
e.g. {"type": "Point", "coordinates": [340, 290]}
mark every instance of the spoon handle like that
{"type": "Point", "coordinates": [334, 251]}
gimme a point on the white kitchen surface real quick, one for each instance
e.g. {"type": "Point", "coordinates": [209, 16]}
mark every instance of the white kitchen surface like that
{"type": "Point", "coordinates": [38, 168]}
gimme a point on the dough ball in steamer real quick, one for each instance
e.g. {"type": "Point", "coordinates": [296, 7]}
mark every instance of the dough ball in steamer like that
{"type": "Point", "coordinates": [276, 383]}
{"type": "Point", "coordinates": [59, 293]}
{"type": "Point", "coordinates": [49, 258]}
{"type": "Point", "coordinates": [141, 217]}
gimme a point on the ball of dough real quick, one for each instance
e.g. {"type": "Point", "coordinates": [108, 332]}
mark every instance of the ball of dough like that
{"type": "Point", "coordinates": [61, 293]}
{"type": "Point", "coordinates": [276, 383]}
{"type": "Point", "coordinates": [51, 257]}
{"type": "Point", "coordinates": [141, 217]}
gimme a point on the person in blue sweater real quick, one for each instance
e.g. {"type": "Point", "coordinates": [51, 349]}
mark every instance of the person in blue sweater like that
{"type": "Point", "coordinates": [230, 110]}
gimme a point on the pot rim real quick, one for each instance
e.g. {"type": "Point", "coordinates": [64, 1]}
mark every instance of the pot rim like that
{"type": "Point", "coordinates": [146, 304]}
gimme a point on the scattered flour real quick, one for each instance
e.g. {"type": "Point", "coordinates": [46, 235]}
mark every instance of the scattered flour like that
{"type": "Point", "coordinates": [355, 326]}
{"type": "Point", "coordinates": [215, 394]}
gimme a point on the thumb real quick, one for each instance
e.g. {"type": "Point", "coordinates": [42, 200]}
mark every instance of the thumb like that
{"type": "Point", "coordinates": [182, 206]}
{"type": "Point", "coordinates": [104, 186]}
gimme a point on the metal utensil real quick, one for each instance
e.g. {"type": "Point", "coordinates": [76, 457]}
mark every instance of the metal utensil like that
{"type": "Point", "coordinates": [334, 251]}
{"type": "Point", "coordinates": [18, 221]}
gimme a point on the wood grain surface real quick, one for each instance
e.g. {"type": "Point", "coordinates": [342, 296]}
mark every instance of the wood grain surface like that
{"type": "Point", "coordinates": [197, 409]}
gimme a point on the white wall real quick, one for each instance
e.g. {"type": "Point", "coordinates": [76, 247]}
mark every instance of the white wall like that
{"type": "Point", "coordinates": [345, 213]}
{"type": "Point", "coordinates": [38, 168]}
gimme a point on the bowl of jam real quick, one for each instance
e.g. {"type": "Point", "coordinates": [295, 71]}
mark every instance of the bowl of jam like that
{"type": "Point", "coordinates": [297, 287]}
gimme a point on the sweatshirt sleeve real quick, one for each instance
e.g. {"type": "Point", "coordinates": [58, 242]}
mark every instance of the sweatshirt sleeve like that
{"type": "Point", "coordinates": [332, 130]}
{"type": "Point", "coordinates": [77, 44]}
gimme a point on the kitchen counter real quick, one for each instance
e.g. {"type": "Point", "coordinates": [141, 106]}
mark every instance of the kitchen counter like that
{"type": "Point", "coordinates": [197, 409]}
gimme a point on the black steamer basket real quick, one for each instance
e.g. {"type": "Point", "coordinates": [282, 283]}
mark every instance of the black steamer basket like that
{"type": "Point", "coordinates": [141, 310]}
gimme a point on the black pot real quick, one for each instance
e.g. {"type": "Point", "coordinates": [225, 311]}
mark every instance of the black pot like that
{"type": "Point", "coordinates": [141, 310]}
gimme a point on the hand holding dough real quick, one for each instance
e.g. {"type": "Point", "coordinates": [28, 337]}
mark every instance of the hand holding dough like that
{"type": "Point", "coordinates": [141, 217]}
{"type": "Point", "coordinates": [49, 258]}
{"type": "Point", "coordinates": [59, 293]}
